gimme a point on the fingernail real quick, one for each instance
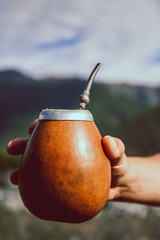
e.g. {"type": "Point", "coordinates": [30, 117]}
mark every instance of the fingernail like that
{"type": "Point", "coordinates": [112, 142]}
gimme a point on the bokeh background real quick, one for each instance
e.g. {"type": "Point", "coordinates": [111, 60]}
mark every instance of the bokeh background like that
{"type": "Point", "coordinates": [47, 50]}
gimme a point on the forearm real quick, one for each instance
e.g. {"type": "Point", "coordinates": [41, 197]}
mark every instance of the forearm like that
{"type": "Point", "coordinates": [142, 181]}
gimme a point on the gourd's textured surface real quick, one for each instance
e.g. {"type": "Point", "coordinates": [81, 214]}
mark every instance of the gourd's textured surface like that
{"type": "Point", "coordinates": [64, 174]}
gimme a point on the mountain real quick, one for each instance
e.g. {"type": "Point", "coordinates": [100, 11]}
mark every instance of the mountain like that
{"type": "Point", "coordinates": [147, 95]}
{"type": "Point", "coordinates": [113, 106]}
{"type": "Point", "coordinates": [13, 77]}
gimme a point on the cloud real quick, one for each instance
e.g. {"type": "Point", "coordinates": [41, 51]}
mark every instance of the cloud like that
{"type": "Point", "coordinates": [60, 43]}
{"type": "Point", "coordinates": [70, 37]}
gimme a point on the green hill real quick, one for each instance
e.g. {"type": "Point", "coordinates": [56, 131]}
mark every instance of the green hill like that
{"type": "Point", "coordinates": [114, 107]}
{"type": "Point", "coordinates": [142, 134]}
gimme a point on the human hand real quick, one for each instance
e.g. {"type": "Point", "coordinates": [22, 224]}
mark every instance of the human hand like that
{"type": "Point", "coordinates": [113, 148]}
{"type": "Point", "coordinates": [115, 151]}
{"type": "Point", "coordinates": [134, 179]}
{"type": "Point", "coordinates": [17, 147]}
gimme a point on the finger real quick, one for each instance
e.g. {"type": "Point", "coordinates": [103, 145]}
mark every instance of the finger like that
{"type": "Point", "coordinates": [32, 126]}
{"type": "Point", "coordinates": [114, 149]}
{"type": "Point", "coordinates": [14, 177]}
{"type": "Point", "coordinates": [113, 193]}
{"type": "Point", "coordinates": [17, 146]}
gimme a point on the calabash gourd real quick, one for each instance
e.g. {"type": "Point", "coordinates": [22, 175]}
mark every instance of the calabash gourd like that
{"type": "Point", "coordinates": [64, 174]}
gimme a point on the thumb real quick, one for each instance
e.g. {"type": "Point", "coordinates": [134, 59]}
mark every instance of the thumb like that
{"type": "Point", "coordinates": [115, 150]}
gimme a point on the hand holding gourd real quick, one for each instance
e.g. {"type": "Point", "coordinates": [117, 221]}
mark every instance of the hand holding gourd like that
{"type": "Point", "coordinates": [64, 174]}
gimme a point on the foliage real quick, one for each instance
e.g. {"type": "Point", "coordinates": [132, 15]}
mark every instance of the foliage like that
{"type": "Point", "coordinates": [22, 225]}
{"type": "Point", "coordinates": [131, 113]}
{"type": "Point", "coordinates": [141, 134]}
{"type": "Point", "coordinates": [8, 224]}
{"type": "Point", "coordinates": [118, 110]}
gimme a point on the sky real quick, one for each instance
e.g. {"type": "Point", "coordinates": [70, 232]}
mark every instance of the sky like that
{"type": "Point", "coordinates": [68, 37]}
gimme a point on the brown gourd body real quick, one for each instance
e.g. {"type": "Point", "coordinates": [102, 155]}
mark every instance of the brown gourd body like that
{"type": "Point", "coordinates": [64, 174]}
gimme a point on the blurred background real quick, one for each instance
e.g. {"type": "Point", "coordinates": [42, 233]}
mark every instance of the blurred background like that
{"type": "Point", "coordinates": [47, 50]}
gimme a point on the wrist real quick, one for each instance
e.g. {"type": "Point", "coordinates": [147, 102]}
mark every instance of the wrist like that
{"type": "Point", "coordinates": [129, 183]}
{"type": "Point", "coordinates": [141, 182]}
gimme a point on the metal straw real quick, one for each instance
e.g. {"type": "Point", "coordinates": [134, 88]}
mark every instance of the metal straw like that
{"type": "Point", "coordinates": [84, 98]}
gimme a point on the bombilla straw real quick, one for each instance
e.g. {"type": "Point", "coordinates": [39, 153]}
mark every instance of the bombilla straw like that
{"type": "Point", "coordinates": [84, 98]}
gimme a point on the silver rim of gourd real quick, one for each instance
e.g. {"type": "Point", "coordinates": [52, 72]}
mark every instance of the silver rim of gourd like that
{"type": "Point", "coordinates": [66, 114]}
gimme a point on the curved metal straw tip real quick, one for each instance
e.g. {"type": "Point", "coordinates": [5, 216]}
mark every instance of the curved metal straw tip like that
{"type": "Point", "coordinates": [92, 76]}
{"type": "Point", "coordinates": [84, 98]}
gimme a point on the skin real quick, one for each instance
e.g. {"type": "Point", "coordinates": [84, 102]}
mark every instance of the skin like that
{"type": "Point", "coordinates": [17, 147]}
{"type": "Point", "coordinates": [134, 179]}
